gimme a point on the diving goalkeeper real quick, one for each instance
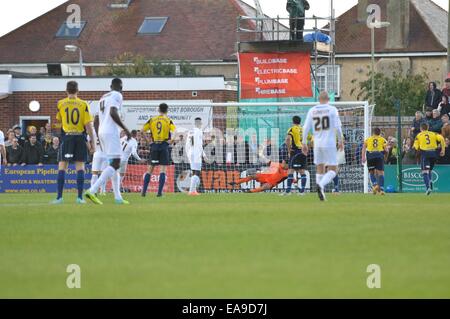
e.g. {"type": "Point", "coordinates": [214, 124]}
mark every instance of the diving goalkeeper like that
{"type": "Point", "coordinates": [268, 178]}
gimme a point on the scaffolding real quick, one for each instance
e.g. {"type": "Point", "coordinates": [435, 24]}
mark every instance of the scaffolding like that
{"type": "Point", "coordinates": [262, 28]}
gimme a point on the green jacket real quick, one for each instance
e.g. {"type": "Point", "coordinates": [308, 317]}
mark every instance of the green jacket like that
{"type": "Point", "coordinates": [297, 8]}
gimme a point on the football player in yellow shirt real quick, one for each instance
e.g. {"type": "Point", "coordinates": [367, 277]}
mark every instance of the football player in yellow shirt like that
{"type": "Point", "coordinates": [161, 129]}
{"type": "Point", "coordinates": [76, 120]}
{"type": "Point", "coordinates": [297, 160]}
{"type": "Point", "coordinates": [427, 143]}
{"type": "Point", "coordinates": [373, 151]}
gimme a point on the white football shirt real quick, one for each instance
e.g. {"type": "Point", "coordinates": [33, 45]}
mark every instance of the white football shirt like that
{"type": "Point", "coordinates": [107, 124]}
{"type": "Point", "coordinates": [194, 145]}
{"type": "Point", "coordinates": [95, 109]}
{"type": "Point", "coordinates": [129, 147]}
{"type": "Point", "coordinates": [324, 122]}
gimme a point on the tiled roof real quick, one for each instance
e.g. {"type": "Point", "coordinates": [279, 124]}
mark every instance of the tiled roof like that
{"type": "Point", "coordinates": [435, 17]}
{"type": "Point", "coordinates": [427, 25]}
{"type": "Point", "coordinates": [196, 30]}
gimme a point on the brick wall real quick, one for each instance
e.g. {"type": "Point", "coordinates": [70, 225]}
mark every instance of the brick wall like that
{"type": "Point", "coordinates": [16, 105]}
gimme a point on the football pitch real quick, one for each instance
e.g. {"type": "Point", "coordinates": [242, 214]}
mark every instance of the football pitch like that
{"type": "Point", "coordinates": [226, 246]}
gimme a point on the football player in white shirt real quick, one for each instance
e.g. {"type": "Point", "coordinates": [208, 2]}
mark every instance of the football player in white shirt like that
{"type": "Point", "coordinates": [129, 148]}
{"type": "Point", "coordinates": [194, 152]}
{"type": "Point", "coordinates": [340, 161]}
{"type": "Point", "coordinates": [323, 120]}
{"type": "Point", "coordinates": [2, 149]}
{"type": "Point", "coordinates": [99, 163]}
{"type": "Point", "coordinates": [108, 126]}
{"type": "Point", "coordinates": [99, 160]}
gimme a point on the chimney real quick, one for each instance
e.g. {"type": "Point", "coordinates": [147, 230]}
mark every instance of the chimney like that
{"type": "Point", "coordinates": [362, 13]}
{"type": "Point", "coordinates": [397, 35]}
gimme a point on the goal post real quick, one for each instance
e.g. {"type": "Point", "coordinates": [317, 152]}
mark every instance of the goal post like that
{"type": "Point", "coordinates": [243, 138]}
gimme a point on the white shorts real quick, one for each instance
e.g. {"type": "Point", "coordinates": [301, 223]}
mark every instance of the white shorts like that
{"type": "Point", "coordinates": [326, 156]}
{"type": "Point", "coordinates": [196, 166]}
{"type": "Point", "coordinates": [111, 145]}
{"type": "Point", "coordinates": [123, 167]}
{"type": "Point", "coordinates": [341, 158]}
{"type": "Point", "coordinates": [196, 163]}
{"type": "Point", "coordinates": [99, 161]}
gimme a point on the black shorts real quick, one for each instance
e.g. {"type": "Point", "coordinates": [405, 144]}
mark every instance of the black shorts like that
{"type": "Point", "coordinates": [428, 160]}
{"type": "Point", "coordinates": [297, 160]}
{"type": "Point", "coordinates": [375, 161]}
{"type": "Point", "coordinates": [159, 153]}
{"type": "Point", "coordinates": [73, 149]}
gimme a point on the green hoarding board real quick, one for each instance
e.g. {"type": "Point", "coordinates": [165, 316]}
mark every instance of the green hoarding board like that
{"type": "Point", "coordinates": [270, 117]}
{"type": "Point", "coordinates": [413, 181]}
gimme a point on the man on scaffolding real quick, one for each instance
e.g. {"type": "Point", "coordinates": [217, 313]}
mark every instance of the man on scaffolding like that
{"type": "Point", "coordinates": [297, 9]}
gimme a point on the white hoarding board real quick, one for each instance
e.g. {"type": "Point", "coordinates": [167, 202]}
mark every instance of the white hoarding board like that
{"type": "Point", "coordinates": [136, 113]}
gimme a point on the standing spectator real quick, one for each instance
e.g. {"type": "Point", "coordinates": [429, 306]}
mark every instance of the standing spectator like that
{"type": "Point", "coordinates": [48, 129]}
{"type": "Point", "coordinates": [214, 150]}
{"type": "Point", "coordinates": [444, 106]}
{"type": "Point", "coordinates": [18, 133]}
{"type": "Point", "coordinates": [418, 120]}
{"type": "Point", "coordinates": [33, 153]}
{"type": "Point", "coordinates": [409, 155]}
{"type": "Point", "coordinates": [47, 142]}
{"type": "Point", "coordinates": [266, 151]}
{"type": "Point", "coordinates": [14, 153]}
{"type": "Point", "coordinates": [32, 131]}
{"type": "Point", "coordinates": [436, 122]}
{"type": "Point", "coordinates": [241, 150]}
{"type": "Point", "coordinates": [228, 149]}
{"type": "Point", "coordinates": [138, 135]}
{"type": "Point", "coordinates": [446, 90]}
{"type": "Point", "coordinates": [253, 149]}
{"type": "Point", "coordinates": [41, 134]}
{"type": "Point", "coordinates": [9, 137]}
{"type": "Point", "coordinates": [445, 126]}
{"type": "Point", "coordinates": [392, 151]}
{"type": "Point", "coordinates": [433, 97]}
{"type": "Point", "coordinates": [283, 153]}
{"type": "Point", "coordinates": [445, 160]}
{"type": "Point", "coordinates": [2, 149]}
{"type": "Point", "coordinates": [297, 10]}
{"type": "Point", "coordinates": [143, 149]}
{"type": "Point", "coordinates": [178, 145]}
{"type": "Point", "coordinates": [51, 153]}
{"type": "Point", "coordinates": [428, 114]}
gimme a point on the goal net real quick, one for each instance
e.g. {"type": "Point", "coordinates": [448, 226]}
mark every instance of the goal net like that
{"type": "Point", "coordinates": [240, 139]}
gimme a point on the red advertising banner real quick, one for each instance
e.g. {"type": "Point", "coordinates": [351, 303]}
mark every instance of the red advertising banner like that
{"type": "Point", "coordinates": [134, 179]}
{"type": "Point", "coordinates": [275, 75]}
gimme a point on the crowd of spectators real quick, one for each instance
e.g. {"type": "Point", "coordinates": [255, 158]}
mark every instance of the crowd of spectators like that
{"type": "Point", "coordinates": [31, 147]}
{"type": "Point", "coordinates": [228, 150]}
{"type": "Point", "coordinates": [40, 147]}
{"type": "Point", "coordinates": [437, 115]}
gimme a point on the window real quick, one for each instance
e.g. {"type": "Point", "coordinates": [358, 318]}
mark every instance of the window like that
{"type": "Point", "coordinates": [329, 79]}
{"type": "Point", "coordinates": [70, 31]}
{"type": "Point", "coordinates": [152, 25]}
{"type": "Point", "coordinates": [122, 4]}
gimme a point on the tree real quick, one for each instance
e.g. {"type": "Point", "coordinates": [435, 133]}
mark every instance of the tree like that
{"type": "Point", "coordinates": [409, 88]}
{"type": "Point", "coordinates": [129, 64]}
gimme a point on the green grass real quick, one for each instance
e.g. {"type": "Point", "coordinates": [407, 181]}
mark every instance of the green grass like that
{"type": "Point", "coordinates": [226, 246]}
